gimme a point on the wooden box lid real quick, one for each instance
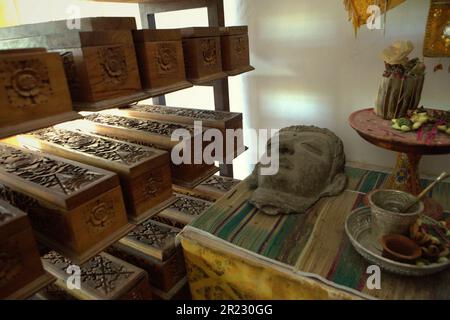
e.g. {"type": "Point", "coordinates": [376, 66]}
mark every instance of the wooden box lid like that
{"type": "Point", "coordinates": [103, 277]}
{"type": "Point", "coordinates": [153, 35]}
{"type": "Point", "coordinates": [200, 32]}
{"type": "Point", "coordinates": [64, 183]}
{"type": "Point", "coordinates": [182, 115]}
{"type": "Point", "coordinates": [61, 26]}
{"type": "Point", "coordinates": [153, 238]}
{"type": "Point", "coordinates": [70, 40]}
{"type": "Point", "coordinates": [12, 220]}
{"type": "Point", "coordinates": [235, 30]}
{"type": "Point", "coordinates": [124, 158]}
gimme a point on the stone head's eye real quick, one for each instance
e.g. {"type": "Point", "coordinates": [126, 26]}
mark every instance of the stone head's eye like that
{"type": "Point", "coordinates": [286, 150]}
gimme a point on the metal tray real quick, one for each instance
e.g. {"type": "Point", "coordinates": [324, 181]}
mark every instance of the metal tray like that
{"type": "Point", "coordinates": [357, 227]}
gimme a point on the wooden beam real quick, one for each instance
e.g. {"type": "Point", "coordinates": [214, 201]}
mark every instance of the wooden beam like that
{"type": "Point", "coordinates": [156, 7]}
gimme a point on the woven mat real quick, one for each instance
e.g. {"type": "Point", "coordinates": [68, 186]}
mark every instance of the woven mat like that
{"type": "Point", "coordinates": [316, 242]}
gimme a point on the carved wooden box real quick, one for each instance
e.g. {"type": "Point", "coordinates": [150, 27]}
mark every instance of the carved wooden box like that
{"type": "Point", "coordinates": [144, 172]}
{"type": "Point", "coordinates": [163, 275]}
{"type": "Point", "coordinates": [235, 50]}
{"type": "Point", "coordinates": [21, 271]}
{"type": "Point", "coordinates": [212, 189]}
{"type": "Point", "coordinates": [103, 277]}
{"type": "Point", "coordinates": [202, 54]}
{"type": "Point", "coordinates": [156, 134]}
{"type": "Point", "coordinates": [75, 209]}
{"type": "Point", "coordinates": [99, 65]}
{"type": "Point", "coordinates": [33, 91]}
{"type": "Point", "coordinates": [209, 118]}
{"type": "Point", "coordinates": [183, 210]}
{"type": "Point", "coordinates": [160, 59]}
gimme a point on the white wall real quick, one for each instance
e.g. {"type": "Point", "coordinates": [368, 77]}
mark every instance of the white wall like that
{"type": "Point", "coordinates": [310, 69]}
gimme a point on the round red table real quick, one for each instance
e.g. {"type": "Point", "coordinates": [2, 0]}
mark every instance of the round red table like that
{"type": "Point", "coordinates": [378, 131]}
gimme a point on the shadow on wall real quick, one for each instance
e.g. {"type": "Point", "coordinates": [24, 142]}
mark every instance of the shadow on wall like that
{"type": "Point", "coordinates": [310, 69]}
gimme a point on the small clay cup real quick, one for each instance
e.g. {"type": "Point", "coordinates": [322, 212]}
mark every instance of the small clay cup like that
{"type": "Point", "coordinates": [400, 248]}
{"type": "Point", "coordinates": [385, 206]}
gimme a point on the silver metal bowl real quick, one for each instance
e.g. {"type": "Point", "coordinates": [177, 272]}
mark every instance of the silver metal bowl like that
{"type": "Point", "coordinates": [385, 206]}
{"type": "Point", "coordinates": [357, 227]}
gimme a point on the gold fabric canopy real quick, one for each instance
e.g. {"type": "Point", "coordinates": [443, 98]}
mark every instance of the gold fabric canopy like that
{"type": "Point", "coordinates": [357, 9]}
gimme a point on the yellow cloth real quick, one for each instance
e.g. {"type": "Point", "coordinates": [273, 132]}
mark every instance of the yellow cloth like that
{"type": "Point", "coordinates": [357, 9]}
{"type": "Point", "coordinates": [8, 13]}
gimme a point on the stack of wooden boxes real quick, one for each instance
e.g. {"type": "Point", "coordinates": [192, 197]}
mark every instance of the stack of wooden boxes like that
{"type": "Point", "coordinates": [103, 180]}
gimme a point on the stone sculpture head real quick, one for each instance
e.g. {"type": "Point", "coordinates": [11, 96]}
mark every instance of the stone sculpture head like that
{"type": "Point", "coordinates": [311, 166]}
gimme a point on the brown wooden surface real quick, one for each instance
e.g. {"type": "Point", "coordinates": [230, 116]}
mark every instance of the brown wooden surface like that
{"type": "Point", "coordinates": [145, 180]}
{"type": "Point", "coordinates": [235, 54]}
{"type": "Point", "coordinates": [156, 35]}
{"type": "Point", "coordinates": [380, 133]}
{"type": "Point", "coordinates": [20, 262]}
{"type": "Point", "coordinates": [104, 277]}
{"type": "Point", "coordinates": [163, 275]}
{"type": "Point", "coordinates": [45, 95]}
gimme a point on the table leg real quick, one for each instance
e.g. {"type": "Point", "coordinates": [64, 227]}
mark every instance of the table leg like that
{"type": "Point", "coordinates": [405, 176]}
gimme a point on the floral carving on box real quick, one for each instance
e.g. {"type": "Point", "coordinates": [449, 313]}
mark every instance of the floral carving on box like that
{"type": "Point", "coordinates": [114, 65]}
{"type": "Point", "coordinates": [103, 148]}
{"type": "Point", "coordinates": [153, 234]}
{"type": "Point", "coordinates": [437, 35]}
{"type": "Point", "coordinates": [27, 83]}
{"type": "Point", "coordinates": [161, 128]}
{"type": "Point", "coordinates": [182, 112]}
{"type": "Point", "coordinates": [209, 51]}
{"type": "Point", "coordinates": [56, 175]}
{"type": "Point", "coordinates": [166, 58]}
{"type": "Point", "coordinates": [99, 215]}
{"type": "Point", "coordinates": [99, 273]}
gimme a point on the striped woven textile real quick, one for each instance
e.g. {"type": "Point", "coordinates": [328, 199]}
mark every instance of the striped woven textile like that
{"type": "Point", "coordinates": [316, 242]}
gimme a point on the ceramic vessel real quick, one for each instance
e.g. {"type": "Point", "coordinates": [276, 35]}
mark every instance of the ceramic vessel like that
{"type": "Point", "coordinates": [400, 248]}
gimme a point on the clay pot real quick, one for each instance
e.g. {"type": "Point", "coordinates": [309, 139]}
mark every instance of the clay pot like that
{"type": "Point", "coordinates": [400, 248]}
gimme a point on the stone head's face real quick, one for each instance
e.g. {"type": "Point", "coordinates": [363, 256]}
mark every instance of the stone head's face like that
{"type": "Point", "coordinates": [305, 162]}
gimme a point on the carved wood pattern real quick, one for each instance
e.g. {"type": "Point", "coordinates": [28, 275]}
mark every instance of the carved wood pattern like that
{"type": "Point", "coordinates": [114, 65]}
{"type": "Point", "coordinates": [161, 128]}
{"type": "Point", "coordinates": [70, 70]}
{"type": "Point", "coordinates": [43, 219]}
{"type": "Point", "coordinates": [153, 234]}
{"type": "Point", "coordinates": [209, 51]}
{"type": "Point", "coordinates": [106, 149]}
{"type": "Point", "coordinates": [182, 112]}
{"type": "Point", "coordinates": [11, 264]}
{"type": "Point", "coordinates": [190, 206]}
{"type": "Point", "coordinates": [166, 58]}
{"type": "Point", "coordinates": [152, 185]}
{"type": "Point", "coordinates": [168, 221]}
{"type": "Point", "coordinates": [219, 183]}
{"type": "Point", "coordinates": [99, 273]}
{"type": "Point", "coordinates": [99, 215]}
{"type": "Point", "coordinates": [141, 143]}
{"type": "Point", "coordinates": [27, 83]}
{"type": "Point", "coordinates": [56, 175]}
